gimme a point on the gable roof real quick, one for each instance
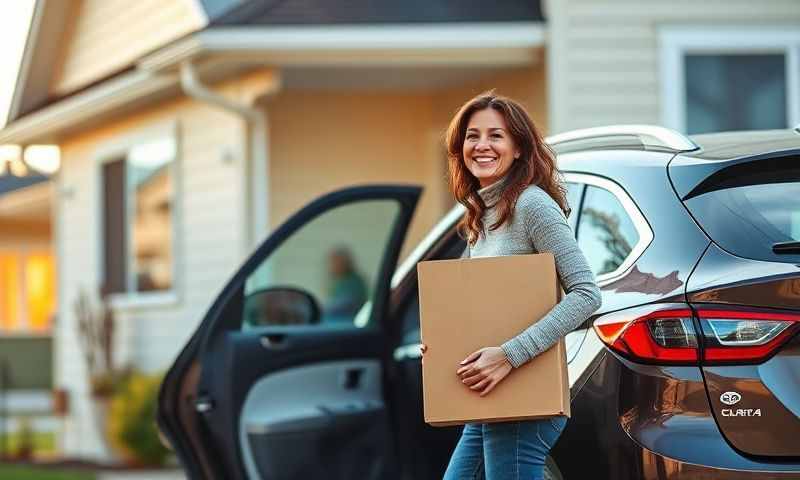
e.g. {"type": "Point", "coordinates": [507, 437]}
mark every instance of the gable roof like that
{"type": "Point", "coordinates": [228, 17]}
{"type": "Point", "coordinates": [327, 12]}
{"type": "Point", "coordinates": [52, 22]}
{"type": "Point", "coordinates": [38, 57]}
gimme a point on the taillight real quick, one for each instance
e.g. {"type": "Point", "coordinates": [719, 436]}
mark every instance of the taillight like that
{"type": "Point", "coordinates": [665, 334]}
{"type": "Point", "coordinates": [744, 336]}
{"type": "Point", "coordinates": [658, 333]}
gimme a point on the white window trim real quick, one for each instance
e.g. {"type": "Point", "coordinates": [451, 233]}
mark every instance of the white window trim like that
{"type": "Point", "coordinates": [452, 217]}
{"type": "Point", "coordinates": [676, 41]}
{"type": "Point", "coordinates": [636, 216]}
{"type": "Point", "coordinates": [114, 150]}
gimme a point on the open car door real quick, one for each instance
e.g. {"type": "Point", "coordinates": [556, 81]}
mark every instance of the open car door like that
{"type": "Point", "coordinates": [284, 377]}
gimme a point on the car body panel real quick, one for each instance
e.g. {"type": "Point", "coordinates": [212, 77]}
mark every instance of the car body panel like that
{"type": "Point", "coordinates": [766, 419]}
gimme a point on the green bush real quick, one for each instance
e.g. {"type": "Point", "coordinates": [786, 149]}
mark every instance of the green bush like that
{"type": "Point", "coordinates": [132, 420]}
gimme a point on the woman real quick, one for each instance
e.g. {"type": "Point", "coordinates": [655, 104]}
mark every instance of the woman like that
{"type": "Point", "coordinates": [506, 176]}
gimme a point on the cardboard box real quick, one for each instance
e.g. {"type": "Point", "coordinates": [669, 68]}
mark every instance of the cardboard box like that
{"type": "Point", "coordinates": [468, 304]}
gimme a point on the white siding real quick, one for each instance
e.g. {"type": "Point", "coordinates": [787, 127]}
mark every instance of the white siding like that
{"type": "Point", "coordinates": [604, 55]}
{"type": "Point", "coordinates": [208, 245]}
{"type": "Point", "coordinates": [105, 36]}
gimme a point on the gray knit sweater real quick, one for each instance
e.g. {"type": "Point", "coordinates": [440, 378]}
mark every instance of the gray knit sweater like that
{"type": "Point", "coordinates": [538, 225]}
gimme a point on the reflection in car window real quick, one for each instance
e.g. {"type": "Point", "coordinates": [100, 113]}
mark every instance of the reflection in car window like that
{"type": "Point", "coordinates": [325, 272]}
{"type": "Point", "coordinates": [606, 234]}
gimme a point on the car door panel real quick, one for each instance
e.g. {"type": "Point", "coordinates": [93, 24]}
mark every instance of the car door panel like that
{"type": "Point", "coordinates": [293, 401]}
{"type": "Point", "coordinates": [278, 425]}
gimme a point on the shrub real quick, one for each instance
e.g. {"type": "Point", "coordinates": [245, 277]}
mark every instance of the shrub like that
{"type": "Point", "coordinates": [132, 420]}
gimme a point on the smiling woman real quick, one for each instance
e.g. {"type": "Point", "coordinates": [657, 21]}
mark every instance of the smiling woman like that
{"type": "Point", "coordinates": [505, 175]}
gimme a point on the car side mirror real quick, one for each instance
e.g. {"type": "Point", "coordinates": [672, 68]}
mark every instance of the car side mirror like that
{"type": "Point", "coordinates": [280, 306]}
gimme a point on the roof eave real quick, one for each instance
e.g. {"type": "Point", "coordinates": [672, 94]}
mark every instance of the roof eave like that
{"type": "Point", "coordinates": [463, 44]}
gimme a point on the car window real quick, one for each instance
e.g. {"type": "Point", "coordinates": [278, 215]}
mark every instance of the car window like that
{"type": "Point", "coordinates": [574, 192]}
{"type": "Point", "coordinates": [748, 220]}
{"type": "Point", "coordinates": [606, 233]}
{"type": "Point", "coordinates": [325, 273]}
{"type": "Point", "coordinates": [409, 313]}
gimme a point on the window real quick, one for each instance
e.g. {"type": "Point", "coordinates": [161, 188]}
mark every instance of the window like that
{"type": "Point", "coordinates": [752, 211]}
{"type": "Point", "coordinates": [27, 291]}
{"type": "Point", "coordinates": [735, 92]}
{"type": "Point", "coordinates": [606, 233]}
{"type": "Point", "coordinates": [138, 219]}
{"type": "Point", "coordinates": [334, 260]}
{"type": "Point", "coordinates": [722, 79]}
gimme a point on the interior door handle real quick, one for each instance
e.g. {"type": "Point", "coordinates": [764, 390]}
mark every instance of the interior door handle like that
{"type": "Point", "coordinates": [351, 379]}
{"type": "Point", "coordinates": [274, 341]}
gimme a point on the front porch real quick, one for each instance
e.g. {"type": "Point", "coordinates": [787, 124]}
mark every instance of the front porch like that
{"type": "Point", "coordinates": [27, 311]}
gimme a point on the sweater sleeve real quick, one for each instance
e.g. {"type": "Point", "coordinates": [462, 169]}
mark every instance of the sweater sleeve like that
{"type": "Point", "coordinates": [549, 232]}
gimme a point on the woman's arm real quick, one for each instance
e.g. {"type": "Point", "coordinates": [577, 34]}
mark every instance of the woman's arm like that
{"type": "Point", "coordinates": [549, 232]}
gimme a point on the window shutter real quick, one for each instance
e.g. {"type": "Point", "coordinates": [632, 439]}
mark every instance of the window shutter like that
{"type": "Point", "coordinates": [114, 228]}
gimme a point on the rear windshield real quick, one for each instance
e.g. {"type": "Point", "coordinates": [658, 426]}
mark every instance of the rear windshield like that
{"type": "Point", "coordinates": [747, 220]}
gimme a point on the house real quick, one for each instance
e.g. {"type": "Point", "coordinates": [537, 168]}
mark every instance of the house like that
{"type": "Point", "coordinates": [189, 129]}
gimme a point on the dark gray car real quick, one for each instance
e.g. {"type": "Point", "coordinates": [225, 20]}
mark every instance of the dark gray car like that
{"type": "Point", "coordinates": [691, 368]}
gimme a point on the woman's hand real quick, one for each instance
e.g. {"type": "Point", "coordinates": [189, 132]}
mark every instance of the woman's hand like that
{"type": "Point", "coordinates": [422, 349]}
{"type": "Point", "coordinates": [484, 369]}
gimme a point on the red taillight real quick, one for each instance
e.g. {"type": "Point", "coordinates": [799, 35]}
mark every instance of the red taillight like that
{"type": "Point", "coordinates": [660, 333]}
{"type": "Point", "coordinates": [665, 333]}
{"type": "Point", "coordinates": [744, 336]}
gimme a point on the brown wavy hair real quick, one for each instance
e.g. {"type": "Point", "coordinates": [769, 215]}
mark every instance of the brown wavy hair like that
{"type": "Point", "coordinates": [535, 166]}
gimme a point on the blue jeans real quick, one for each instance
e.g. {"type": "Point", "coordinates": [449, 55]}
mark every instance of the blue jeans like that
{"type": "Point", "coordinates": [504, 451]}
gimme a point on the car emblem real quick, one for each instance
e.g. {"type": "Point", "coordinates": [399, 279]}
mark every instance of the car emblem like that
{"type": "Point", "coordinates": [730, 398]}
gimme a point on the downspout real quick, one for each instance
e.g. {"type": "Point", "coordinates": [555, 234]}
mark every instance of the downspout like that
{"type": "Point", "coordinates": [255, 200]}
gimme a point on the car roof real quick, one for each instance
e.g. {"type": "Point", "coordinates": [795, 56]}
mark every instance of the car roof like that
{"type": "Point", "coordinates": [730, 145]}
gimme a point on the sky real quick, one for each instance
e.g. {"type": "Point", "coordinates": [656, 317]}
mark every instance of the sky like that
{"type": "Point", "coordinates": [14, 21]}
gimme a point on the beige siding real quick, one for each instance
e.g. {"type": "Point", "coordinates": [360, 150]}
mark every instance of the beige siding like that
{"type": "Point", "coordinates": [209, 177]}
{"type": "Point", "coordinates": [322, 141]}
{"type": "Point", "coordinates": [605, 54]}
{"type": "Point", "coordinates": [105, 36]}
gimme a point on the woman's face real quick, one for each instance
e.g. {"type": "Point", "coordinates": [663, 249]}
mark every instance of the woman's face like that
{"type": "Point", "coordinates": [489, 150]}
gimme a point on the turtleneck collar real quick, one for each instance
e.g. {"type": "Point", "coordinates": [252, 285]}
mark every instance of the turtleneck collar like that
{"type": "Point", "coordinates": [492, 193]}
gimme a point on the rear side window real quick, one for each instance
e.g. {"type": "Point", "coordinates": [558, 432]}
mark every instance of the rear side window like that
{"type": "Point", "coordinates": [606, 233]}
{"type": "Point", "coordinates": [747, 220]}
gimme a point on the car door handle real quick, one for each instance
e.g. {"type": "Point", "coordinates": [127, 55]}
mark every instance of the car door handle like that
{"type": "Point", "coordinates": [274, 341]}
{"type": "Point", "coordinates": [408, 352]}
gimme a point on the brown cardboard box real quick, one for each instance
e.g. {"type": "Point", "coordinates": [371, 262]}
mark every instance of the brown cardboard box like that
{"type": "Point", "coordinates": [468, 304]}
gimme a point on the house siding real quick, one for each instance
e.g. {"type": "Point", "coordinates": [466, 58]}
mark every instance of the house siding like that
{"type": "Point", "coordinates": [324, 140]}
{"type": "Point", "coordinates": [105, 36]}
{"type": "Point", "coordinates": [605, 54]}
{"type": "Point", "coordinates": [207, 196]}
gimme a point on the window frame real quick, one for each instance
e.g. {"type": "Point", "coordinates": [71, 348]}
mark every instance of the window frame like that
{"type": "Point", "coordinates": [115, 150]}
{"type": "Point", "coordinates": [639, 221]}
{"type": "Point", "coordinates": [677, 41]}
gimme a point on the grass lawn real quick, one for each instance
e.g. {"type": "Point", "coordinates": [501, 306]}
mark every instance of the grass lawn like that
{"type": "Point", "coordinates": [43, 443]}
{"type": "Point", "coordinates": [32, 473]}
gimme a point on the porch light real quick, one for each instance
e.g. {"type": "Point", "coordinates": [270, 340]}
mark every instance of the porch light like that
{"type": "Point", "coordinates": [32, 160]}
{"type": "Point", "coordinates": [45, 159]}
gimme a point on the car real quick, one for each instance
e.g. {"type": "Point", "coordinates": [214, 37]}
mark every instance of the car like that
{"type": "Point", "coordinates": [690, 369]}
